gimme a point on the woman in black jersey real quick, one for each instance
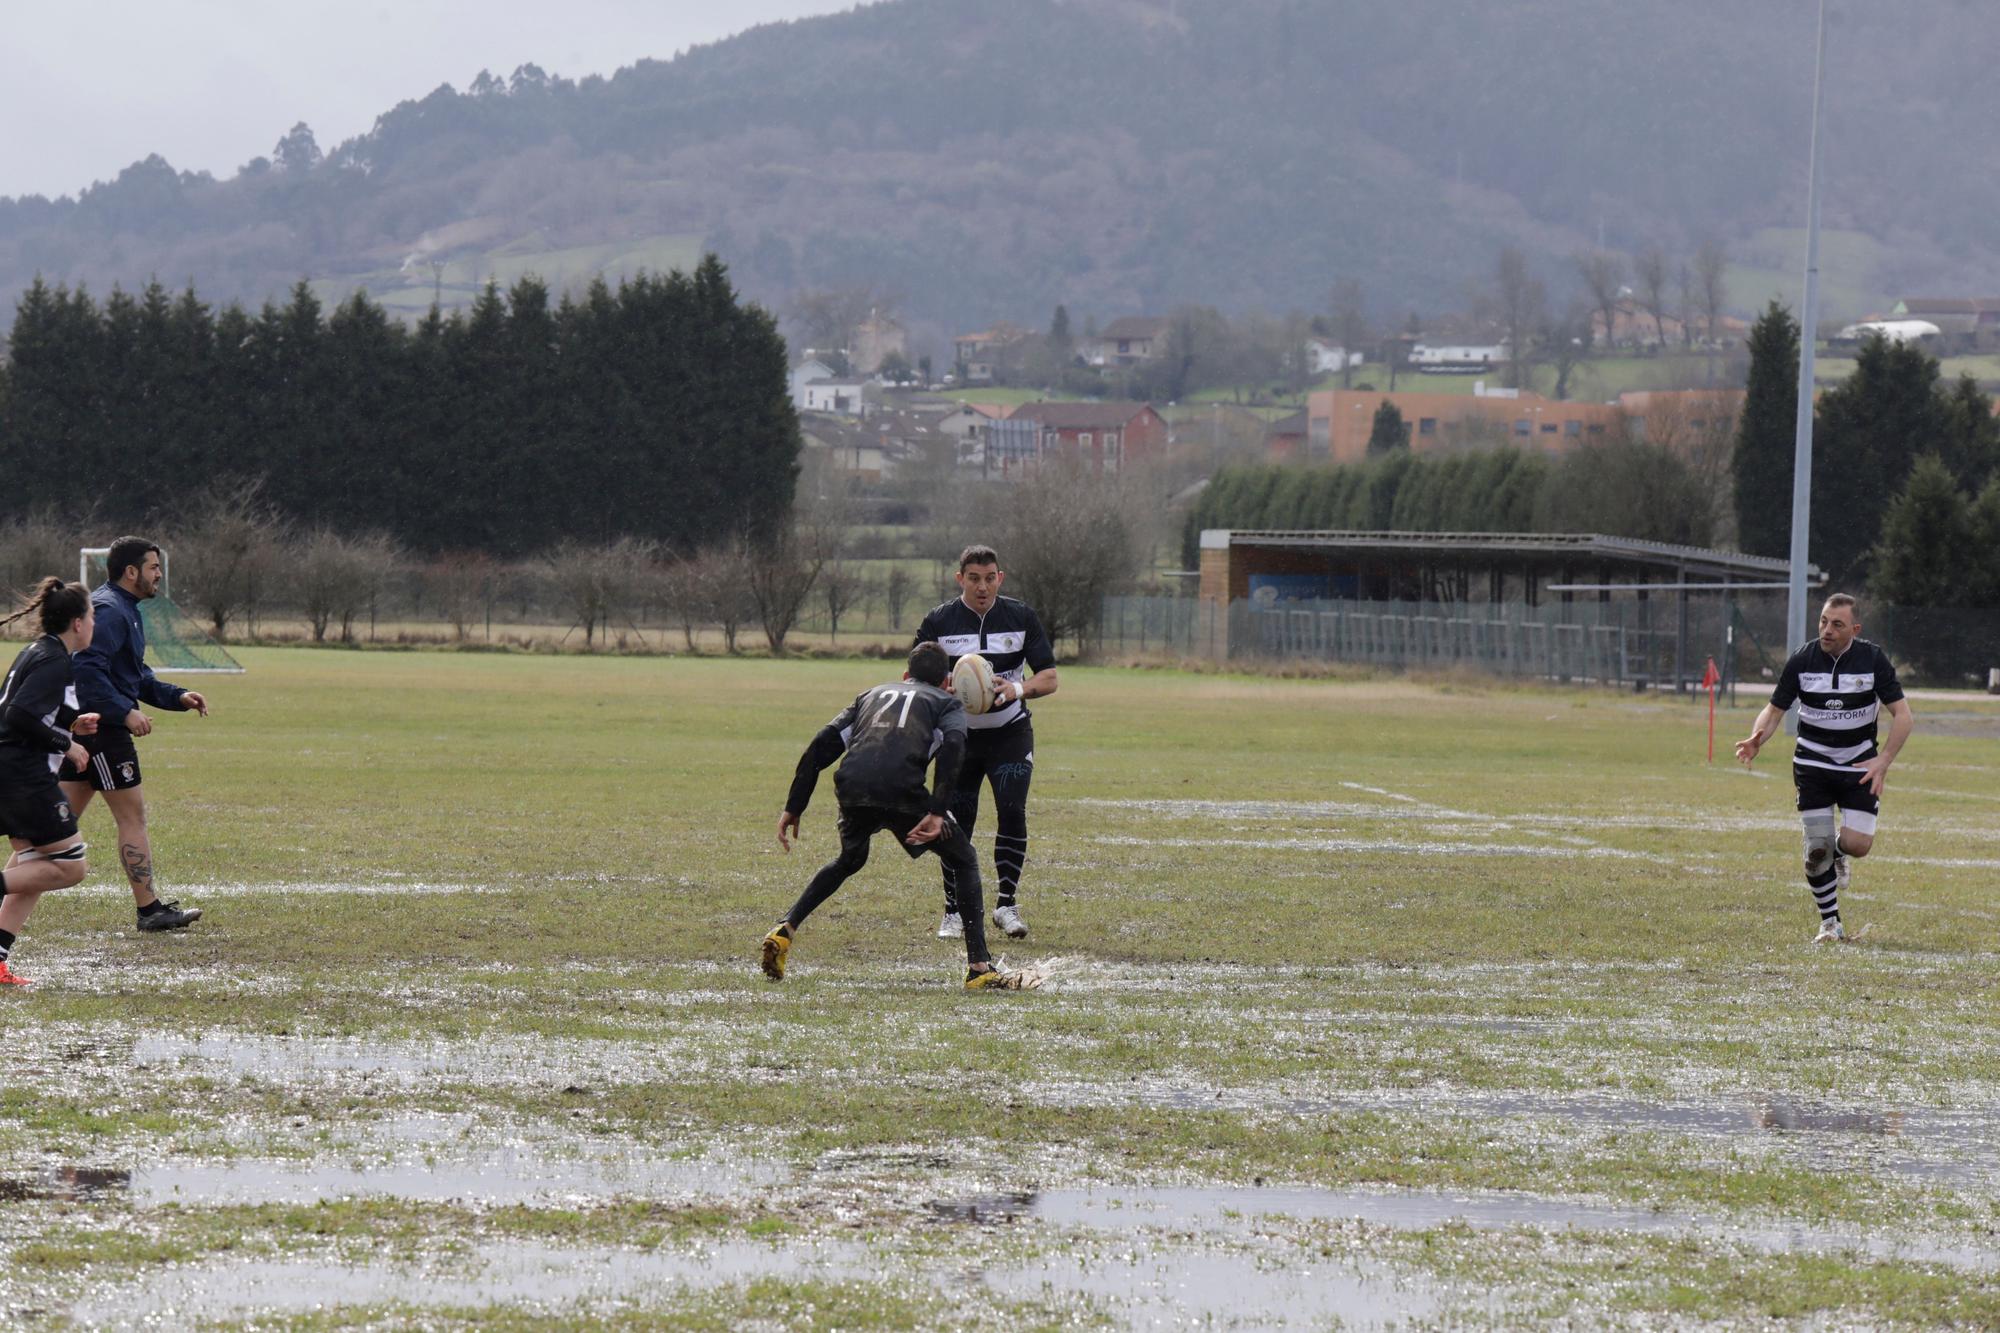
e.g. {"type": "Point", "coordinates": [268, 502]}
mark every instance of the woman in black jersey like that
{"type": "Point", "coordinates": [39, 724]}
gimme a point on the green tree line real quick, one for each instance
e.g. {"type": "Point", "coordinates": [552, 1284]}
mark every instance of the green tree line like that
{"type": "Point", "coordinates": [1870, 432]}
{"type": "Point", "coordinates": [657, 410]}
{"type": "Point", "coordinates": [1621, 488]}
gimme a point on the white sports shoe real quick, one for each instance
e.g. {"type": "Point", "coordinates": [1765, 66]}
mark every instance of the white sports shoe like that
{"type": "Point", "coordinates": [1008, 918]}
{"type": "Point", "coordinates": [1840, 873]}
{"type": "Point", "coordinates": [952, 927]}
{"type": "Point", "coordinates": [1830, 933]}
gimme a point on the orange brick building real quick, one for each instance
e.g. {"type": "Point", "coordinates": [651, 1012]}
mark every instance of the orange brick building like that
{"type": "Point", "coordinates": [1339, 421]}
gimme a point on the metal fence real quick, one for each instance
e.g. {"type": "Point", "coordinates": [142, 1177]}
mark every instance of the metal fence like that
{"type": "Point", "coordinates": [1626, 641]}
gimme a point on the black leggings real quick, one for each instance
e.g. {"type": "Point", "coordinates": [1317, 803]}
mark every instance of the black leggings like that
{"type": "Point", "coordinates": [953, 847]}
{"type": "Point", "coordinates": [1004, 756]}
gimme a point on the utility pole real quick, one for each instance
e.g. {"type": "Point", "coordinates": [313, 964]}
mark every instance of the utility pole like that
{"type": "Point", "coordinates": [1796, 610]}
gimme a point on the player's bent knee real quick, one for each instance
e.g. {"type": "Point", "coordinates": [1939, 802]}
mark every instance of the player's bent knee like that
{"type": "Point", "coordinates": [1856, 844]}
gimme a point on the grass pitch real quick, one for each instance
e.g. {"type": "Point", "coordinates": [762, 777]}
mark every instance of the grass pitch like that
{"type": "Point", "coordinates": [1379, 1002]}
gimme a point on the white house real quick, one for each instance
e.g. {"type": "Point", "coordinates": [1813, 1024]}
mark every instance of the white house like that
{"type": "Point", "coordinates": [1328, 357]}
{"type": "Point", "coordinates": [847, 397]}
{"type": "Point", "coordinates": [1458, 359]}
{"type": "Point", "coordinates": [810, 371]}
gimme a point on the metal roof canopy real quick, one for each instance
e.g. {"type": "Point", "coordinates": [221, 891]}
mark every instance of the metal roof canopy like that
{"type": "Point", "coordinates": [1576, 547]}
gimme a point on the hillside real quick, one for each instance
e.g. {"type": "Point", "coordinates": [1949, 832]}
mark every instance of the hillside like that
{"type": "Point", "coordinates": [979, 161]}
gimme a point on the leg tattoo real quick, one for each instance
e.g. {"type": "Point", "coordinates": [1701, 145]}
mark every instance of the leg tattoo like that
{"type": "Point", "coordinates": [138, 869]}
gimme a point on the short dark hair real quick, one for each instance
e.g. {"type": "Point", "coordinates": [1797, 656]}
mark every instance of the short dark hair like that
{"type": "Point", "coordinates": [977, 555]}
{"type": "Point", "coordinates": [1840, 599]}
{"type": "Point", "coordinates": [929, 663]}
{"type": "Point", "coordinates": [127, 553]}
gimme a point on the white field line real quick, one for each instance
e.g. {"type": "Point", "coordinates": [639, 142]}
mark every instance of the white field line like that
{"type": "Point", "coordinates": [1391, 845]}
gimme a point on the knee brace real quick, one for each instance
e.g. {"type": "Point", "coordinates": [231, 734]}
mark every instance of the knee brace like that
{"type": "Point", "coordinates": [1821, 847]}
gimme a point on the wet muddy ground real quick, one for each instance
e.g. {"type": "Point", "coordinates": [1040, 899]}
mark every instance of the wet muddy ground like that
{"type": "Point", "coordinates": [1381, 1044]}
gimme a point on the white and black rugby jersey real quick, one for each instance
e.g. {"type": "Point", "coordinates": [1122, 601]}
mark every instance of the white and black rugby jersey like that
{"type": "Point", "coordinates": [1010, 636]}
{"type": "Point", "coordinates": [37, 705]}
{"type": "Point", "coordinates": [1839, 699]}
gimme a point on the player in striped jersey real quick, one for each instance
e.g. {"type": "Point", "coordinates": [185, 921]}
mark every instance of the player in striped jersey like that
{"type": "Point", "coordinates": [1000, 744]}
{"type": "Point", "coordinates": [1842, 683]}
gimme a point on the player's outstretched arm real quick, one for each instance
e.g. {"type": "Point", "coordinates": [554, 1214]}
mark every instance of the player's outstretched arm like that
{"type": "Point", "coordinates": [1765, 726]}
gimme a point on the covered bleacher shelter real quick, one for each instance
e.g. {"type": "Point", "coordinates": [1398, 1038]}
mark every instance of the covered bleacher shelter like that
{"type": "Point", "coordinates": [1567, 606]}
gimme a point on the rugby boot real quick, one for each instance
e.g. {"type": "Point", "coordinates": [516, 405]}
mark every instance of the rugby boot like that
{"type": "Point", "coordinates": [170, 917]}
{"type": "Point", "coordinates": [995, 977]}
{"type": "Point", "coordinates": [1008, 918]}
{"type": "Point", "coordinates": [1830, 932]}
{"type": "Point", "coordinates": [952, 927]}
{"type": "Point", "coordinates": [777, 946]}
{"type": "Point", "coordinates": [11, 978]}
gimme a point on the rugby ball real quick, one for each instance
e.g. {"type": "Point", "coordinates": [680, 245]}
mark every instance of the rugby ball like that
{"type": "Point", "coordinates": [972, 682]}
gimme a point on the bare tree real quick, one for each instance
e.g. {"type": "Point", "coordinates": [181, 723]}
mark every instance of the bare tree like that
{"type": "Point", "coordinates": [1711, 269]}
{"type": "Point", "coordinates": [1650, 268]}
{"type": "Point", "coordinates": [1523, 303]}
{"type": "Point", "coordinates": [725, 574]}
{"type": "Point", "coordinates": [373, 560]}
{"type": "Point", "coordinates": [594, 583]}
{"type": "Point", "coordinates": [32, 547]}
{"type": "Point", "coordinates": [1603, 275]}
{"type": "Point", "coordinates": [460, 583]}
{"type": "Point", "coordinates": [683, 590]}
{"type": "Point", "coordinates": [1350, 324]}
{"type": "Point", "coordinates": [318, 565]}
{"type": "Point", "coordinates": [1069, 538]}
{"type": "Point", "coordinates": [1566, 343]}
{"type": "Point", "coordinates": [896, 593]}
{"type": "Point", "coordinates": [782, 576]}
{"type": "Point", "coordinates": [228, 553]}
{"type": "Point", "coordinates": [841, 589]}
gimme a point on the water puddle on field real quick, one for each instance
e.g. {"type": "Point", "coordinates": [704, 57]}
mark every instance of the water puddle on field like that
{"type": "Point", "coordinates": [543, 1275]}
{"type": "Point", "coordinates": [504, 1174]}
{"type": "Point", "coordinates": [483, 1060]}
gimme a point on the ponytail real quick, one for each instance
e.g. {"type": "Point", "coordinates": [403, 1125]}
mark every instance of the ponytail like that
{"type": "Point", "coordinates": [58, 604]}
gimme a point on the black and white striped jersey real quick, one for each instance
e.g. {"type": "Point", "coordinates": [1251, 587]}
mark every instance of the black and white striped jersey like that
{"type": "Point", "coordinates": [1009, 636]}
{"type": "Point", "coordinates": [1839, 700]}
{"type": "Point", "coordinates": [37, 706]}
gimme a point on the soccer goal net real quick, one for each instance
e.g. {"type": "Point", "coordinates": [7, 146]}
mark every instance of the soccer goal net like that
{"type": "Point", "coordinates": [174, 642]}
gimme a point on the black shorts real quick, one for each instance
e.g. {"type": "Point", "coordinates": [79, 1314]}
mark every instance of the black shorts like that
{"type": "Point", "coordinates": [114, 761]}
{"type": "Point", "coordinates": [36, 812]}
{"type": "Point", "coordinates": [859, 823]}
{"type": "Point", "coordinates": [1821, 788]}
{"type": "Point", "coordinates": [989, 749]}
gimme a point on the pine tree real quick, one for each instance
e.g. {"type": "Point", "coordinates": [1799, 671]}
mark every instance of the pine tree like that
{"type": "Point", "coordinates": [1868, 432]}
{"type": "Point", "coordinates": [1926, 534]}
{"type": "Point", "coordinates": [1388, 433]}
{"type": "Point", "coordinates": [1766, 435]}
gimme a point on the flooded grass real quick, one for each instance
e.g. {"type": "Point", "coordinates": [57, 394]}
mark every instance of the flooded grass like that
{"type": "Point", "coordinates": [1378, 1005]}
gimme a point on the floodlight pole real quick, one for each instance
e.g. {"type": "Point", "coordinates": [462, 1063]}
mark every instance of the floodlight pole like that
{"type": "Point", "coordinates": [1795, 617]}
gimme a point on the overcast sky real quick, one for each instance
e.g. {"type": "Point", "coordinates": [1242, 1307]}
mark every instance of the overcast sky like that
{"type": "Point", "coordinates": [87, 87]}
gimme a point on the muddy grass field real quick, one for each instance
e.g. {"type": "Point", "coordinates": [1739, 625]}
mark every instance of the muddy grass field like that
{"type": "Point", "coordinates": [1374, 1004]}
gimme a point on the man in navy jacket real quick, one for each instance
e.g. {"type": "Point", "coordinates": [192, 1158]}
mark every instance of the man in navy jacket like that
{"type": "Point", "coordinates": [113, 677]}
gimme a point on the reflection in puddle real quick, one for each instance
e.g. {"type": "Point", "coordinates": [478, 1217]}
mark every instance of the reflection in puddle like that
{"type": "Point", "coordinates": [1781, 1116]}
{"type": "Point", "coordinates": [508, 1174]}
{"type": "Point", "coordinates": [544, 1274]}
{"type": "Point", "coordinates": [985, 1209]}
{"type": "Point", "coordinates": [1225, 1208]}
{"type": "Point", "coordinates": [69, 1184]}
{"type": "Point", "coordinates": [1175, 1288]}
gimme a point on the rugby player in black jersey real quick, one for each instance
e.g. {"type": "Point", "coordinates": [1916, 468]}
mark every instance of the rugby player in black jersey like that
{"type": "Point", "coordinates": [1841, 683]}
{"type": "Point", "coordinates": [1000, 745]}
{"type": "Point", "coordinates": [39, 724]}
{"type": "Point", "coordinates": [889, 736]}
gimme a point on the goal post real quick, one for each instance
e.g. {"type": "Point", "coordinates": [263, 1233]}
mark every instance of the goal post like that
{"type": "Point", "coordinates": [174, 641]}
